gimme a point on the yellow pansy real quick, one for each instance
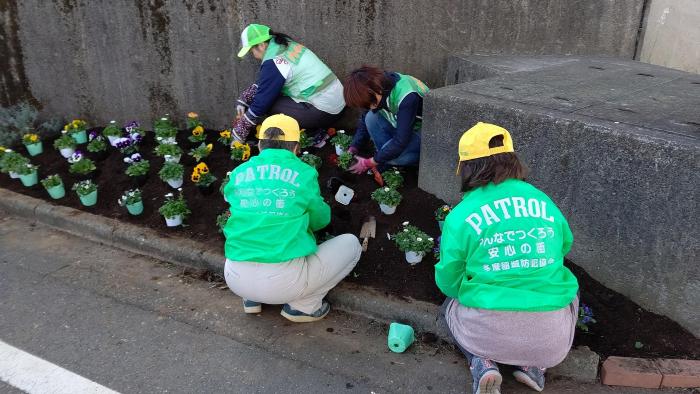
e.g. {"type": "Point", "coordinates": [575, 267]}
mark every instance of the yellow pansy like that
{"type": "Point", "coordinates": [202, 168]}
{"type": "Point", "coordinates": [225, 134]}
{"type": "Point", "coordinates": [192, 115]}
{"type": "Point", "coordinates": [195, 178]}
{"type": "Point", "coordinates": [210, 147]}
{"type": "Point", "coordinates": [197, 131]}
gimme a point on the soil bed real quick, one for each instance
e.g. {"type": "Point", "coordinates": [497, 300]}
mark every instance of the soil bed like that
{"type": "Point", "coordinates": [621, 323]}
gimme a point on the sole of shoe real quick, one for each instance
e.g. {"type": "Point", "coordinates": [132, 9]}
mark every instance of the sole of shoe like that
{"type": "Point", "coordinates": [304, 318]}
{"type": "Point", "coordinates": [490, 383]}
{"type": "Point", "coordinates": [252, 309]}
{"type": "Point", "coordinates": [527, 381]}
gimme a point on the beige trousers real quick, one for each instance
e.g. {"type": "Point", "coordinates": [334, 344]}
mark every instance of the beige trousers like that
{"type": "Point", "coordinates": [302, 282]}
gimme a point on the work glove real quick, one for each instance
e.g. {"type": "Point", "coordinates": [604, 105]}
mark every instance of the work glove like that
{"type": "Point", "coordinates": [245, 99]}
{"type": "Point", "coordinates": [362, 165]}
{"type": "Point", "coordinates": [240, 128]}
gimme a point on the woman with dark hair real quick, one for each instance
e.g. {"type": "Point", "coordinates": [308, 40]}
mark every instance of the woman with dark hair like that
{"type": "Point", "coordinates": [510, 298]}
{"type": "Point", "coordinates": [292, 81]}
{"type": "Point", "coordinates": [392, 105]}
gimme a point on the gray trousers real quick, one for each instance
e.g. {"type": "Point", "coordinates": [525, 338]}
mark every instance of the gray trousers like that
{"type": "Point", "coordinates": [308, 116]}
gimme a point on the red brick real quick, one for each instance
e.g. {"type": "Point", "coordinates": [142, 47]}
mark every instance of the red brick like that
{"type": "Point", "coordinates": [630, 372]}
{"type": "Point", "coordinates": [679, 373]}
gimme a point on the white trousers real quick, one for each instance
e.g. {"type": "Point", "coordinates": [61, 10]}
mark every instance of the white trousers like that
{"type": "Point", "coordinates": [302, 282]}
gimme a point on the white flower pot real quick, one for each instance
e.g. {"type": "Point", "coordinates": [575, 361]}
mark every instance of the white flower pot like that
{"type": "Point", "coordinates": [387, 210]}
{"type": "Point", "coordinates": [173, 221]}
{"type": "Point", "coordinates": [67, 152]}
{"type": "Point", "coordinates": [14, 175]}
{"type": "Point", "coordinates": [175, 183]}
{"type": "Point", "coordinates": [112, 139]}
{"type": "Point", "coordinates": [172, 159]}
{"type": "Point", "coordinates": [414, 257]}
{"type": "Point", "coordinates": [339, 150]}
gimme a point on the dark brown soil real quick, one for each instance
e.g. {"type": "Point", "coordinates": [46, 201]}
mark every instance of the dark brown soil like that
{"type": "Point", "coordinates": [621, 323]}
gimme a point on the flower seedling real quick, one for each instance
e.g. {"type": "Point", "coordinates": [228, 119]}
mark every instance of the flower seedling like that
{"type": "Point", "coordinates": [412, 239]}
{"type": "Point", "coordinates": [171, 171]}
{"type": "Point", "coordinates": [51, 181]}
{"type": "Point", "coordinates": [164, 129]}
{"type": "Point", "coordinates": [201, 175]}
{"type": "Point", "coordinates": [224, 182]}
{"type": "Point", "coordinates": [344, 160]}
{"type": "Point", "coordinates": [193, 120]}
{"type": "Point", "coordinates": [112, 130]}
{"type": "Point", "coordinates": [174, 206]}
{"type": "Point", "coordinates": [163, 150]}
{"type": "Point", "coordinates": [130, 197]}
{"type": "Point", "coordinates": [387, 196]}
{"type": "Point", "coordinates": [304, 140]}
{"type": "Point", "coordinates": [311, 159]}
{"type": "Point", "coordinates": [442, 212]}
{"type": "Point", "coordinates": [31, 139]}
{"type": "Point", "coordinates": [137, 165]}
{"type": "Point", "coordinates": [198, 135]}
{"type": "Point", "coordinates": [341, 140]}
{"type": "Point", "coordinates": [585, 317]}
{"type": "Point", "coordinates": [225, 137]}
{"type": "Point", "coordinates": [10, 161]}
{"type": "Point", "coordinates": [128, 145]}
{"type": "Point", "coordinates": [133, 127]}
{"type": "Point", "coordinates": [76, 126]}
{"type": "Point", "coordinates": [240, 152]}
{"type": "Point", "coordinates": [83, 188]}
{"type": "Point", "coordinates": [97, 143]}
{"type": "Point", "coordinates": [64, 142]}
{"type": "Point", "coordinates": [393, 178]}
{"type": "Point", "coordinates": [26, 169]}
{"type": "Point", "coordinates": [221, 220]}
{"type": "Point", "coordinates": [201, 151]}
{"type": "Point", "coordinates": [80, 164]}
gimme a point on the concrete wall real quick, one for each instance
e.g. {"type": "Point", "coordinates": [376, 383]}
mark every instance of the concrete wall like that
{"type": "Point", "coordinates": [671, 35]}
{"type": "Point", "coordinates": [137, 59]}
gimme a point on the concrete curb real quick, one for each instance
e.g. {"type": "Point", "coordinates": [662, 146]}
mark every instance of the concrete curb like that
{"type": "Point", "coordinates": [348, 297]}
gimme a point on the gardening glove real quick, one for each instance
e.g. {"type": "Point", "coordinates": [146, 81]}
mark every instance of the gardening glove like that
{"type": "Point", "coordinates": [353, 150]}
{"type": "Point", "coordinates": [245, 99]}
{"type": "Point", "coordinates": [240, 128]}
{"type": "Point", "coordinates": [362, 165]}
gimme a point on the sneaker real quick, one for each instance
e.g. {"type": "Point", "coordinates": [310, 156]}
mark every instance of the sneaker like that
{"type": "Point", "coordinates": [531, 377]}
{"type": "Point", "coordinates": [251, 306]}
{"type": "Point", "coordinates": [301, 317]}
{"type": "Point", "coordinates": [486, 377]}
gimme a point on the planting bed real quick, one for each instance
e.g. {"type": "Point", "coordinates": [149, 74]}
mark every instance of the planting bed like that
{"type": "Point", "coordinates": [621, 323]}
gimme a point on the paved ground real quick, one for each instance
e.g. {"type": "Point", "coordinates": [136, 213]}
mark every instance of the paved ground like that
{"type": "Point", "coordinates": [137, 325]}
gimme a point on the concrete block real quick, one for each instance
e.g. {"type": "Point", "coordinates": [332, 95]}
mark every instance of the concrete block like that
{"type": "Point", "coordinates": [679, 373]}
{"type": "Point", "coordinates": [618, 151]}
{"type": "Point", "coordinates": [581, 364]}
{"type": "Point", "coordinates": [18, 204]}
{"type": "Point", "coordinates": [630, 372]}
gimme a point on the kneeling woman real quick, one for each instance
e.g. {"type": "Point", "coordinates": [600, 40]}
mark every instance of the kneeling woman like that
{"type": "Point", "coordinates": [392, 105]}
{"type": "Point", "coordinates": [511, 300]}
{"type": "Point", "coordinates": [292, 81]}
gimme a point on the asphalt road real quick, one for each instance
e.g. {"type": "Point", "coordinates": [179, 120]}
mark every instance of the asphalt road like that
{"type": "Point", "coordinates": [132, 324]}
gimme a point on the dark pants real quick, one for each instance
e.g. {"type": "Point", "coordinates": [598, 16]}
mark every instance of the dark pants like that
{"type": "Point", "coordinates": [308, 116]}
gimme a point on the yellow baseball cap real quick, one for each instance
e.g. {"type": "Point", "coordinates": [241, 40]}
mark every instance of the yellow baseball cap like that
{"type": "Point", "coordinates": [287, 124]}
{"type": "Point", "coordinates": [475, 141]}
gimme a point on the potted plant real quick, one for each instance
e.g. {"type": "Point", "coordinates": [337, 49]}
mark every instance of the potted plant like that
{"type": "Point", "coordinates": [81, 166]}
{"type": "Point", "coordinates": [28, 174]}
{"type": "Point", "coordinates": [304, 140]}
{"type": "Point", "coordinates": [172, 174]}
{"type": "Point", "coordinates": [138, 169]}
{"type": "Point", "coordinates": [441, 213]}
{"type": "Point", "coordinates": [87, 192]}
{"type": "Point", "coordinates": [193, 120]}
{"type": "Point", "coordinates": [341, 141]}
{"type": "Point", "coordinates": [133, 127]}
{"type": "Point", "coordinates": [222, 219]}
{"type": "Point", "coordinates": [54, 186]}
{"type": "Point", "coordinates": [203, 179]}
{"type": "Point", "coordinates": [129, 144]}
{"type": "Point", "coordinates": [312, 160]}
{"type": "Point", "coordinates": [131, 199]}
{"type": "Point", "coordinates": [387, 198]}
{"type": "Point", "coordinates": [413, 242]}
{"type": "Point", "coordinates": [112, 132]}
{"type": "Point", "coordinates": [77, 129]}
{"type": "Point", "coordinates": [344, 160]}
{"type": "Point", "coordinates": [240, 151]}
{"type": "Point", "coordinates": [225, 138]}
{"type": "Point", "coordinates": [11, 161]}
{"type": "Point", "coordinates": [97, 146]}
{"type": "Point", "coordinates": [174, 210]}
{"type": "Point", "coordinates": [165, 131]}
{"type": "Point", "coordinates": [171, 153]}
{"type": "Point", "coordinates": [201, 151]}
{"type": "Point", "coordinates": [33, 144]}
{"type": "Point", "coordinates": [65, 144]}
{"type": "Point", "coordinates": [198, 135]}
{"type": "Point", "coordinates": [393, 178]}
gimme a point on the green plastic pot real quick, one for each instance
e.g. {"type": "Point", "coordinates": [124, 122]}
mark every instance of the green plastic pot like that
{"type": "Point", "coordinates": [89, 199]}
{"type": "Point", "coordinates": [35, 149]}
{"type": "Point", "coordinates": [57, 192]}
{"type": "Point", "coordinates": [29, 179]}
{"type": "Point", "coordinates": [400, 337]}
{"type": "Point", "coordinates": [80, 137]}
{"type": "Point", "coordinates": [136, 208]}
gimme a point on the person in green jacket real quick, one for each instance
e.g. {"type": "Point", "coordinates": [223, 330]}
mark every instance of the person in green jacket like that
{"type": "Point", "coordinates": [510, 298]}
{"type": "Point", "coordinates": [276, 206]}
